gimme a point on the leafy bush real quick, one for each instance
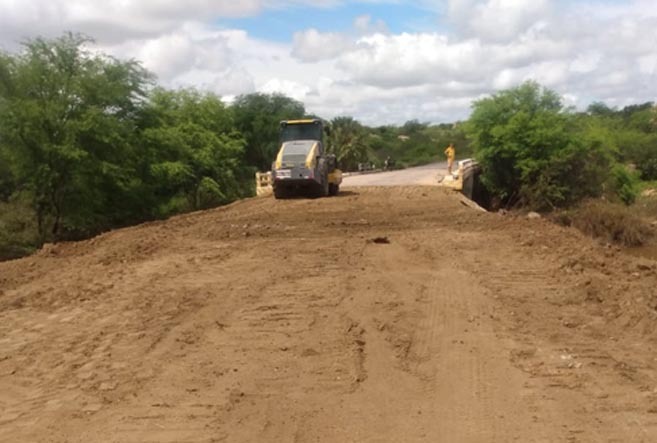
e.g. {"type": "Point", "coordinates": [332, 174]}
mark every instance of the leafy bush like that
{"type": "Point", "coordinates": [625, 184]}
{"type": "Point", "coordinates": [209, 194]}
{"type": "Point", "coordinates": [531, 151]}
{"type": "Point", "coordinates": [648, 169]}
{"type": "Point", "coordinates": [631, 134]}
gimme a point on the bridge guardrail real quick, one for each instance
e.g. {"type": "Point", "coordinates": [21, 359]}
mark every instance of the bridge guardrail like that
{"type": "Point", "coordinates": [462, 174]}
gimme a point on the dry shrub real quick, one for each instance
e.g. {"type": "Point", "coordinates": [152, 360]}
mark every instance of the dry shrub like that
{"type": "Point", "coordinates": [646, 204]}
{"type": "Point", "coordinates": [612, 222]}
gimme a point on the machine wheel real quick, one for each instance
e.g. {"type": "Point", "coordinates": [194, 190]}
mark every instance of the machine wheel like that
{"type": "Point", "coordinates": [326, 186]}
{"type": "Point", "coordinates": [323, 190]}
{"type": "Point", "coordinates": [333, 189]}
{"type": "Point", "coordinates": [280, 193]}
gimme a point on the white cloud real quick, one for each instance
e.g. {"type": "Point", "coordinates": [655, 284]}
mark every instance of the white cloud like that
{"type": "Point", "coordinates": [112, 20]}
{"type": "Point", "coordinates": [586, 50]}
{"type": "Point", "coordinates": [504, 20]}
{"type": "Point", "coordinates": [297, 91]}
{"type": "Point", "coordinates": [586, 62]}
{"type": "Point", "coordinates": [191, 47]}
{"type": "Point", "coordinates": [648, 64]}
{"type": "Point", "coordinates": [364, 25]}
{"type": "Point", "coordinates": [311, 45]}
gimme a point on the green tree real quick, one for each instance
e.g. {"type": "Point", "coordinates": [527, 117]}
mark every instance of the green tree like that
{"type": "Point", "coordinates": [67, 116]}
{"type": "Point", "coordinates": [193, 154]}
{"type": "Point", "coordinates": [600, 109]}
{"type": "Point", "coordinates": [348, 141]}
{"type": "Point", "coordinates": [412, 127]}
{"type": "Point", "coordinates": [631, 134]}
{"type": "Point", "coordinates": [257, 117]}
{"type": "Point", "coordinates": [531, 153]}
{"type": "Point", "coordinates": [7, 180]}
{"type": "Point", "coordinates": [637, 138]}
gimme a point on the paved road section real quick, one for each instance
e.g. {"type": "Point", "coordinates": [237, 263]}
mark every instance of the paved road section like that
{"type": "Point", "coordinates": [421, 175]}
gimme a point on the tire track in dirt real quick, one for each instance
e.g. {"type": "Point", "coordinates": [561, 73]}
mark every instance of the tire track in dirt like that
{"type": "Point", "coordinates": [558, 349]}
{"type": "Point", "coordinates": [283, 321]}
{"type": "Point", "coordinates": [448, 345]}
{"type": "Point", "coordinates": [462, 374]}
{"type": "Point", "coordinates": [254, 350]}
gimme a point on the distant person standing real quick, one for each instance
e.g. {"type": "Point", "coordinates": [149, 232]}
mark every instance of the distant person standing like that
{"type": "Point", "coordinates": [450, 152]}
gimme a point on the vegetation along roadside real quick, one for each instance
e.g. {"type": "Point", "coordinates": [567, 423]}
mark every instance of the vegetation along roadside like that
{"type": "Point", "coordinates": [90, 143]}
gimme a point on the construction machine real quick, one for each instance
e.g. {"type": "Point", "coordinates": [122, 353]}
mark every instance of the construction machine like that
{"type": "Point", "coordinates": [302, 164]}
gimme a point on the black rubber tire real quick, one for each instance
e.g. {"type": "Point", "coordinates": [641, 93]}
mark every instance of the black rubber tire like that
{"type": "Point", "coordinates": [333, 189]}
{"type": "Point", "coordinates": [326, 186]}
{"type": "Point", "coordinates": [281, 193]}
{"type": "Point", "coordinates": [323, 189]}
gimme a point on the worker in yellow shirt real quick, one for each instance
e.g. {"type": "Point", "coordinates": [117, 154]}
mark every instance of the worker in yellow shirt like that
{"type": "Point", "coordinates": [450, 152]}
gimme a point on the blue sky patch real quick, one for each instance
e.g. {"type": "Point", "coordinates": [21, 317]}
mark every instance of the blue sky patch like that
{"type": "Point", "coordinates": [281, 24]}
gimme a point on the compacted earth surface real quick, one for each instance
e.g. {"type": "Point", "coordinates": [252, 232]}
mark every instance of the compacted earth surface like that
{"type": "Point", "coordinates": [396, 314]}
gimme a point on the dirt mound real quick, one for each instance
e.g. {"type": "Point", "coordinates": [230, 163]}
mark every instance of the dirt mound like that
{"type": "Point", "coordinates": [285, 321]}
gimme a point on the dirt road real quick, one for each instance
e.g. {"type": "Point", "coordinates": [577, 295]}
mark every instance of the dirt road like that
{"type": "Point", "coordinates": [285, 321]}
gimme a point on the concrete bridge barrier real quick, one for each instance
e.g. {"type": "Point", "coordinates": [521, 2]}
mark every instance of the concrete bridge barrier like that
{"type": "Point", "coordinates": [465, 178]}
{"type": "Point", "coordinates": [264, 184]}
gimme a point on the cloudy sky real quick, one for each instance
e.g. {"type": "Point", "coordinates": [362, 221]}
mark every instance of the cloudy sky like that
{"type": "Point", "coordinates": [382, 61]}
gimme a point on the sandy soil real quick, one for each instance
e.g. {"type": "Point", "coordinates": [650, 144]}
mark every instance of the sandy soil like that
{"type": "Point", "coordinates": [284, 321]}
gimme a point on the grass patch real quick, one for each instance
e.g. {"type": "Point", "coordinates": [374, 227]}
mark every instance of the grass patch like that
{"type": "Point", "coordinates": [647, 185]}
{"type": "Point", "coordinates": [611, 222]}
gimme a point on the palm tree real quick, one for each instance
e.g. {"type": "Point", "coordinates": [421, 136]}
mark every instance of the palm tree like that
{"type": "Point", "coordinates": [348, 141]}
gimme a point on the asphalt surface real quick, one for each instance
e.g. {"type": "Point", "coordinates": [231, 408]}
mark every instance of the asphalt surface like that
{"type": "Point", "coordinates": [421, 175]}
